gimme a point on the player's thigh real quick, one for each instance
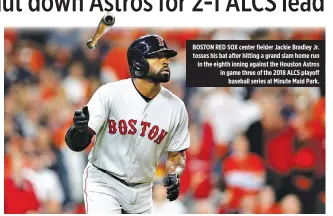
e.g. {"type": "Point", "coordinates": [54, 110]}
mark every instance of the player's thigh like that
{"type": "Point", "coordinates": [98, 197]}
{"type": "Point", "coordinates": [99, 203]}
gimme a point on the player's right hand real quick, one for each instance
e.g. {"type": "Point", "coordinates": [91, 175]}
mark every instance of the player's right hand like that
{"type": "Point", "coordinates": [173, 186]}
{"type": "Point", "coordinates": [81, 119]}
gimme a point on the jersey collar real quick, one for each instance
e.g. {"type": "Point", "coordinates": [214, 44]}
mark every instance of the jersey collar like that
{"type": "Point", "coordinates": [139, 96]}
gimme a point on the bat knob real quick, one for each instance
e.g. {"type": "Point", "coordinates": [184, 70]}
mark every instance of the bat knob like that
{"type": "Point", "coordinates": [109, 19]}
{"type": "Point", "coordinates": [90, 45]}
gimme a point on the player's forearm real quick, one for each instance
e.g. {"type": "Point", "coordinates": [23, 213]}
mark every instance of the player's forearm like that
{"type": "Point", "coordinates": [176, 163]}
{"type": "Point", "coordinates": [78, 141]}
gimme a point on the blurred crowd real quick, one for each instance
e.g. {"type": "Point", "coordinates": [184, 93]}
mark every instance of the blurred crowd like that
{"type": "Point", "coordinates": [253, 150]}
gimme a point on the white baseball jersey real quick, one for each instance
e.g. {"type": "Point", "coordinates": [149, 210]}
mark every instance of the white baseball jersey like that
{"type": "Point", "coordinates": [131, 134]}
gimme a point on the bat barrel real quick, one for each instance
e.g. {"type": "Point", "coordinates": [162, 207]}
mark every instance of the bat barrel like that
{"type": "Point", "coordinates": [109, 19]}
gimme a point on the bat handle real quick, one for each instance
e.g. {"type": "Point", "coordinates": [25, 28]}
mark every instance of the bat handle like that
{"type": "Point", "coordinates": [90, 44]}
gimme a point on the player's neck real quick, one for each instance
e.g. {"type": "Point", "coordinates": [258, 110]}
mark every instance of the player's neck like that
{"type": "Point", "coordinates": [146, 88]}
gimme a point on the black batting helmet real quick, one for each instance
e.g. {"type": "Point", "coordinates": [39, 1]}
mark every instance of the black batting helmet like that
{"type": "Point", "coordinates": [145, 47]}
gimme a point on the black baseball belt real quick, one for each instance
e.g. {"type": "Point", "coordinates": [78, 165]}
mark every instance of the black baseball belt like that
{"type": "Point", "coordinates": [118, 179]}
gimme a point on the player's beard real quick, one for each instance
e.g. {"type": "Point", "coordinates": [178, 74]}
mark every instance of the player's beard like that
{"type": "Point", "coordinates": [158, 77]}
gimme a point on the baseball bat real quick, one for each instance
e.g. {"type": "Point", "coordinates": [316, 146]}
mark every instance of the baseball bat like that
{"type": "Point", "coordinates": [103, 27]}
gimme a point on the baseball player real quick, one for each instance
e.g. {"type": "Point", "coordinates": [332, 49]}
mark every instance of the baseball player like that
{"type": "Point", "coordinates": [135, 121]}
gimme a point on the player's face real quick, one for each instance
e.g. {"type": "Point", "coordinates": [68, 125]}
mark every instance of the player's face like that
{"type": "Point", "coordinates": [159, 70]}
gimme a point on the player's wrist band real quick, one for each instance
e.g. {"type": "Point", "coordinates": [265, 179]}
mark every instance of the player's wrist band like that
{"type": "Point", "coordinates": [92, 131]}
{"type": "Point", "coordinates": [174, 174]}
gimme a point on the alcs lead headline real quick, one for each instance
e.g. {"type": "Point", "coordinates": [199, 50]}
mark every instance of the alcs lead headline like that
{"type": "Point", "coordinates": [164, 5]}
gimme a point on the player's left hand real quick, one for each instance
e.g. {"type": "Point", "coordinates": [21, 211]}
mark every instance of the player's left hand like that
{"type": "Point", "coordinates": [173, 186]}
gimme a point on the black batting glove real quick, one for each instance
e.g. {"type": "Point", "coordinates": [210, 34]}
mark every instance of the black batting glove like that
{"type": "Point", "coordinates": [173, 186]}
{"type": "Point", "coordinates": [81, 119]}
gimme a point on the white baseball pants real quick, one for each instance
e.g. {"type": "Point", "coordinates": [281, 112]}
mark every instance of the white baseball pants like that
{"type": "Point", "coordinates": [103, 194]}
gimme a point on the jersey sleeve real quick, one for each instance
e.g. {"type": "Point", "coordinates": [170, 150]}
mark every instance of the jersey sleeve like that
{"type": "Point", "coordinates": [181, 137]}
{"type": "Point", "coordinates": [98, 109]}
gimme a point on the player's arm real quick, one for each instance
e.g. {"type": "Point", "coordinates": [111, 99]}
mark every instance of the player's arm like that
{"type": "Point", "coordinates": [175, 166]}
{"type": "Point", "coordinates": [78, 136]}
{"type": "Point", "coordinates": [87, 122]}
{"type": "Point", "coordinates": [176, 161]}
